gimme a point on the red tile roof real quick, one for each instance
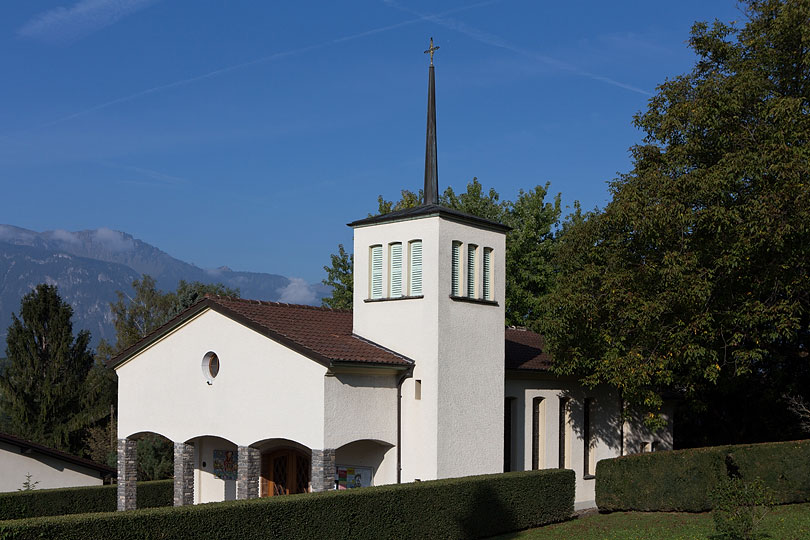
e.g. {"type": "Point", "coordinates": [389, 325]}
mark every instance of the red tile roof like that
{"type": "Point", "coordinates": [325, 335]}
{"type": "Point", "coordinates": [525, 350]}
{"type": "Point", "coordinates": [322, 334]}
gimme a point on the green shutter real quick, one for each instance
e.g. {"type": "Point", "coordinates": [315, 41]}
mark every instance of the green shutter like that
{"type": "Point", "coordinates": [415, 259]}
{"type": "Point", "coordinates": [486, 285]}
{"type": "Point", "coordinates": [396, 270]}
{"type": "Point", "coordinates": [376, 272]}
{"type": "Point", "coordinates": [455, 289]}
{"type": "Point", "coordinates": [471, 249]}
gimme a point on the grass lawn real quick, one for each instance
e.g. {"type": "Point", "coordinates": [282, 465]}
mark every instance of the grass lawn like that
{"type": "Point", "coordinates": [782, 523]}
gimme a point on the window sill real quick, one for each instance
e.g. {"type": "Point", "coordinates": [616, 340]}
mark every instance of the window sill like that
{"type": "Point", "coordinates": [393, 298]}
{"type": "Point", "coordinates": [474, 300]}
{"type": "Point", "coordinates": [589, 477]}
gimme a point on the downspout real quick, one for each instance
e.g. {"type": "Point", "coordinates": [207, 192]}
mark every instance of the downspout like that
{"type": "Point", "coordinates": [408, 373]}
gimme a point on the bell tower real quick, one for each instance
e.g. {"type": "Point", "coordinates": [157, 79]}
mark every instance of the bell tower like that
{"type": "Point", "coordinates": [429, 284]}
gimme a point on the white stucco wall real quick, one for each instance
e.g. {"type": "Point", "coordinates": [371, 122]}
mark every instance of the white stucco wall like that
{"type": "Point", "coordinates": [410, 327]}
{"type": "Point", "coordinates": [263, 390]}
{"type": "Point", "coordinates": [456, 428]}
{"type": "Point", "coordinates": [606, 428]}
{"type": "Point", "coordinates": [360, 406]}
{"type": "Point", "coordinates": [471, 361]}
{"type": "Point", "coordinates": [48, 471]}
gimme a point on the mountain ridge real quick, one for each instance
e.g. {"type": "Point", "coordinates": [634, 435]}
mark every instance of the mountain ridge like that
{"type": "Point", "coordinates": [88, 266]}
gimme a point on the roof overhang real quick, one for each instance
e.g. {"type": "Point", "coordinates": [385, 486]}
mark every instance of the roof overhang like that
{"type": "Point", "coordinates": [208, 304]}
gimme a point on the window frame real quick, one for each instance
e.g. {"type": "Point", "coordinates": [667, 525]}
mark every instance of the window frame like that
{"type": "Point", "coordinates": [372, 273]}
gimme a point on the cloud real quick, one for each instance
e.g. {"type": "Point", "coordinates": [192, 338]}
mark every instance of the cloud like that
{"type": "Point", "coordinates": [113, 240]}
{"type": "Point", "coordinates": [297, 291]}
{"type": "Point", "coordinates": [66, 24]}
{"type": "Point", "coordinates": [64, 236]}
{"type": "Point", "coordinates": [495, 41]}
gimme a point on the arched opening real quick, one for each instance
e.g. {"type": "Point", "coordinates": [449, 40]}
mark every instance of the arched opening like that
{"type": "Point", "coordinates": [216, 463]}
{"type": "Point", "coordinates": [365, 463]}
{"type": "Point", "coordinates": [286, 467]}
{"type": "Point", "coordinates": [155, 456]}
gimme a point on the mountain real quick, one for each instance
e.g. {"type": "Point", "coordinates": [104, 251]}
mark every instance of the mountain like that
{"type": "Point", "coordinates": [90, 266]}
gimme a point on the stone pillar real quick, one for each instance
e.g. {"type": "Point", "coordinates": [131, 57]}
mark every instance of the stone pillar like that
{"type": "Point", "coordinates": [183, 474]}
{"type": "Point", "coordinates": [247, 473]}
{"type": "Point", "coordinates": [127, 473]}
{"type": "Point", "coordinates": [323, 470]}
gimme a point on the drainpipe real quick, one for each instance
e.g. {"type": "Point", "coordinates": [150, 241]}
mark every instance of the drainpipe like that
{"type": "Point", "coordinates": [408, 373]}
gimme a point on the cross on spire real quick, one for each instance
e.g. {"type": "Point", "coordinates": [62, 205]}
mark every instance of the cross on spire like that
{"type": "Point", "coordinates": [431, 50]}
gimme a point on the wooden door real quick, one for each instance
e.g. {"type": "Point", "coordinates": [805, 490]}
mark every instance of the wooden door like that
{"type": "Point", "coordinates": [284, 472]}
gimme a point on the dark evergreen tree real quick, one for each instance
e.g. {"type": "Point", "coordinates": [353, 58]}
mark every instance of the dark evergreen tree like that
{"type": "Point", "coordinates": [43, 389]}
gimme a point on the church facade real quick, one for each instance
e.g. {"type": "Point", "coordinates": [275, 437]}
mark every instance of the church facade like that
{"type": "Point", "coordinates": [419, 381]}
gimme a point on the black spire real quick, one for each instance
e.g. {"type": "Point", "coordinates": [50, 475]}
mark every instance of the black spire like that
{"type": "Point", "coordinates": [431, 162]}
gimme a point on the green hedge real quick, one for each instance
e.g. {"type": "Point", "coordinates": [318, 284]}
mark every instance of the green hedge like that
{"type": "Point", "coordinates": [471, 507]}
{"type": "Point", "coordinates": [79, 500]}
{"type": "Point", "coordinates": [682, 480]}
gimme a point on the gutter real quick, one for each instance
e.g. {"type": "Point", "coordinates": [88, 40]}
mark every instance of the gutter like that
{"type": "Point", "coordinates": [406, 375]}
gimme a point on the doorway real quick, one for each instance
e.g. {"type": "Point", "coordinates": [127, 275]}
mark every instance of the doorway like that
{"type": "Point", "coordinates": [284, 472]}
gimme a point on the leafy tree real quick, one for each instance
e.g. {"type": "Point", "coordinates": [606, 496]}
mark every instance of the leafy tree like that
{"type": "Point", "coordinates": [528, 246]}
{"type": "Point", "coordinates": [339, 277]}
{"type": "Point", "coordinates": [44, 390]}
{"type": "Point", "coordinates": [529, 270]}
{"type": "Point", "coordinates": [136, 316]}
{"type": "Point", "coordinates": [695, 276]}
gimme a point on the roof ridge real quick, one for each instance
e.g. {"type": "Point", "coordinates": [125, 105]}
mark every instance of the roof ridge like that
{"type": "Point", "coordinates": [216, 297]}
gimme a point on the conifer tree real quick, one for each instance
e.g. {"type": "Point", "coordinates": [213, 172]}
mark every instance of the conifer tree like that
{"type": "Point", "coordinates": [43, 388]}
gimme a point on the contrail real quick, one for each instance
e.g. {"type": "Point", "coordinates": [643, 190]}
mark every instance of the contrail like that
{"type": "Point", "coordinates": [495, 41]}
{"type": "Point", "coordinates": [242, 65]}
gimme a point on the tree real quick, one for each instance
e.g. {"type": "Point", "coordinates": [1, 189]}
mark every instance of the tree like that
{"type": "Point", "coordinates": [137, 316]}
{"type": "Point", "coordinates": [528, 257]}
{"type": "Point", "coordinates": [694, 277]}
{"type": "Point", "coordinates": [529, 270]}
{"type": "Point", "coordinates": [340, 278]}
{"type": "Point", "coordinates": [44, 390]}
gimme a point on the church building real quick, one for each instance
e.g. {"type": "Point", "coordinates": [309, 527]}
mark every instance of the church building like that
{"type": "Point", "coordinates": [420, 380]}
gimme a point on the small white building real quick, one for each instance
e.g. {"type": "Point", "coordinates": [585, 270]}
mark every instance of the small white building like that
{"type": "Point", "coordinates": [421, 380]}
{"type": "Point", "coordinates": [42, 467]}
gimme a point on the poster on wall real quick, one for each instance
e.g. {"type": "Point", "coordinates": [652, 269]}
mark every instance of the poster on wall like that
{"type": "Point", "coordinates": [348, 477]}
{"type": "Point", "coordinates": [225, 462]}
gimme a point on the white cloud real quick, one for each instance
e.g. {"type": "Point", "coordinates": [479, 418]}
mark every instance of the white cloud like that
{"type": "Point", "coordinates": [113, 240]}
{"type": "Point", "coordinates": [64, 236]}
{"type": "Point", "coordinates": [297, 291]}
{"type": "Point", "coordinates": [82, 18]}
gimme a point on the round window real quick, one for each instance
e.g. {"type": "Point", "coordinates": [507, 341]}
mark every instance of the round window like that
{"type": "Point", "coordinates": [210, 366]}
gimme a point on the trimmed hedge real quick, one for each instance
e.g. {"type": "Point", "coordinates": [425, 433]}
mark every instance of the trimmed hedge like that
{"type": "Point", "coordinates": [79, 500]}
{"type": "Point", "coordinates": [461, 508]}
{"type": "Point", "coordinates": [682, 480]}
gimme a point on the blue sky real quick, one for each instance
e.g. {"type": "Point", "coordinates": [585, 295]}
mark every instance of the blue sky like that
{"type": "Point", "coordinates": [249, 133]}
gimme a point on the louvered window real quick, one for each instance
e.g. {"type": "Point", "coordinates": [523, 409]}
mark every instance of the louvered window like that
{"type": "Point", "coordinates": [395, 258]}
{"type": "Point", "coordinates": [415, 260]}
{"type": "Point", "coordinates": [486, 284]}
{"type": "Point", "coordinates": [376, 283]}
{"type": "Point", "coordinates": [471, 251]}
{"type": "Point", "coordinates": [455, 287]}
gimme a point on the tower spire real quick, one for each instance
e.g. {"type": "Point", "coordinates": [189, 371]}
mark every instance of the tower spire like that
{"type": "Point", "coordinates": [431, 162]}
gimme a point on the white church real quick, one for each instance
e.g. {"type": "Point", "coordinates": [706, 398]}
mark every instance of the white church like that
{"type": "Point", "coordinates": [420, 380]}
